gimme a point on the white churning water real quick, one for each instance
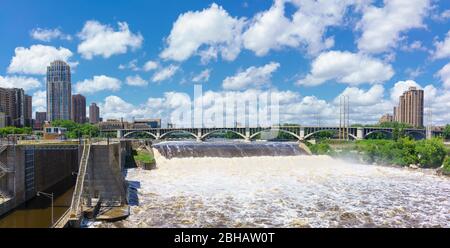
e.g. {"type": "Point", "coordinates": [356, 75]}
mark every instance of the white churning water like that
{"type": "Point", "coordinates": [287, 191]}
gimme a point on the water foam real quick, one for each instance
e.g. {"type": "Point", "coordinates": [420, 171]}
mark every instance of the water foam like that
{"type": "Point", "coordinates": [291, 191]}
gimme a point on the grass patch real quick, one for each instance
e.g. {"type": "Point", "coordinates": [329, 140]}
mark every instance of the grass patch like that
{"type": "Point", "coordinates": [143, 156]}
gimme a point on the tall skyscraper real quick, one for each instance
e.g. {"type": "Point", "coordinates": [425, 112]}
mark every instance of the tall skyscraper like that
{"type": "Point", "coordinates": [79, 108]}
{"type": "Point", "coordinates": [59, 91]}
{"type": "Point", "coordinates": [410, 108]}
{"type": "Point", "coordinates": [94, 113]}
{"type": "Point", "coordinates": [14, 104]}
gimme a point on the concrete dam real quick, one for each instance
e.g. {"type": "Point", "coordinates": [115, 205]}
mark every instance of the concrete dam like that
{"type": "Point", "coordinates": [29, 168]}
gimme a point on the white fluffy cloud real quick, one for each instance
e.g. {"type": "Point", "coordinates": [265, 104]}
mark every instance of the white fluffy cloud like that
{"type": "Point", "coordinates": [346, 67]}
{"type": "Point", "coordinates": [251, 77]}
{"type": "Point", "coordinates": [203, 76]}
{"type": "Point", "coordinates": [442, 48]}
{"type": "Point", "coordinates": [39, 101]}
{"type": "Point", "coordinates": [48, 35]}
{"type": "Point", "coordinates": [272, 29]}
{"type": "Point", "coordinates": [136, 81]}
{"type": "Point", "coordinates": [26, 83]}
{"type": "Point", "coordinates": [444, 75]}
{"type": "Point", "coordinates": [165, 73]}
{"type": "Point", "coordinates": [382, 27]}
{"type": "Point", "coordinates": [102, 40]}
{"type": "Point", "coordinates": [96, 84]}
{"type": "Point", "coordinates": [363, 98]}
{"type": "Point", "coordinates": [150, 65]}
{"type": "Point", "coordinates": [212, 27]}
{"type": "Point", "coordinates": [34, 60]}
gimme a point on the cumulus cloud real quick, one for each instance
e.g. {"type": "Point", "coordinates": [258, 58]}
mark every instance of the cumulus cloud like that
{"type": "Point", "coordinates": [251, 77]}
{"type": "Point", "coordinates": [363, 98]}
{"type": "Point", "coordinates": [150, 65]}
{"type": "Point", "coordinates": [442, 48]}
{"type": "Point", "coordinates": [96, 84]}
{"type": "Point", "coordinates": [39, 101]}
{"type": "Point", "coordinates": [26, 83]}
{"type": "Point", "coordinates": [444, 75]}
{"type": "Point", "coordinates": [212, 27]}
{"type": "Point", "coordinates": [203, 76]}
{"type": "Point", "coordinates": [272, 29]}
{"type": "Point", "coordinates": [34, 60]}
{"type": "Point", "coordinates": [165, 73]}
{"type": "Point", "coordinates": [346, 67]}
{"type": "Point", "coordinates": [102, 40]}
{"type": "Point", "coordinates": [48, 35]}
{"type": "Point", "coordinates": [382, 27]}
{"type": "Point", "coordinates": [136, 81]}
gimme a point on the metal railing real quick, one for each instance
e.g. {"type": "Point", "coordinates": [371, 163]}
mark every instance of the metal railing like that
{"type": "Point", "coordinates": [76, 199]}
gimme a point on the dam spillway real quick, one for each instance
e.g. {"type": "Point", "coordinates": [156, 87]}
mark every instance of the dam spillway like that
{"type": "Point", "coordinates": [227, 149]}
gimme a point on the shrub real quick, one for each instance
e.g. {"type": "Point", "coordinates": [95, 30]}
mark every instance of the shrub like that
{"type": "Point", "coordinates": [431, 153]}
{"type": "Point", "coordinates": [321, 148]}
{"type": "Point", "coordinates": [446, 167]}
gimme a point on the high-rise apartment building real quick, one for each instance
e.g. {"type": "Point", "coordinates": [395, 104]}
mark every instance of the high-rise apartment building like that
{"type": "Point", "coordinates": [15, 104]}
{"type": "Point", "coordinates": [79, 108]}
{"type": "Point", "coordinates": [59, 91]}
{"type": "Point", "coordinates": [40, 119]}
{"type": "Point", "coordinates": [94, 113]}
{"type": "Point", "coordinates": [410, 108]}
{"type": "Point", "coordinates": [28, 111]}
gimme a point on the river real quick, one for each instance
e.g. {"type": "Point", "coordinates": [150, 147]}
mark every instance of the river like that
{"type": "Point", "coordinates": [37, 212]}
{"type": "Point", "coordinates": [283, 191]}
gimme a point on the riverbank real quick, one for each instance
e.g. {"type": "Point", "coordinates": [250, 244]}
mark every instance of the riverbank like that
{"type": "Point", "coordinates": [425, 154]}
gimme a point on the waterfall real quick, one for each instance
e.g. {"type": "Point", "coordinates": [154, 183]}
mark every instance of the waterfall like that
{"type": "Point", "coordinates": [227, 149]}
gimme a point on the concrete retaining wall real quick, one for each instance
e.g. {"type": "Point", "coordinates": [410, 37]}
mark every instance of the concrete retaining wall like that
{"type": "Point", "coordinates": [104, 177]}
{"type": "Point", "coordinates": [36, 168]}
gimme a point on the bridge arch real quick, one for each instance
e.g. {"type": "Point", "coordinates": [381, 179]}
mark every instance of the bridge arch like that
{"type": "Point", "coordinates": [222, 130]}
{"type": "Point", "coordinates": [178, 131]}
{"type": "Point", "coordinates": [378, 131]}
{"type": "Point", "coordinates": [278, 130]}
{"type": "Point", "coordinates": [146, 132]}
{"type": "Point", "coordinates": [421, 135]}
{"type": "Point", "coordinates": [329, 130]}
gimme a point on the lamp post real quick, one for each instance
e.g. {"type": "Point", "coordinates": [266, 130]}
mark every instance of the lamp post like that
{"type": "Point", "coordinates": [49, 196]}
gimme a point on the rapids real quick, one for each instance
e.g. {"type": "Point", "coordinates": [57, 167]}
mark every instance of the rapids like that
{"type": "Point", "coordinates": [283, 191]}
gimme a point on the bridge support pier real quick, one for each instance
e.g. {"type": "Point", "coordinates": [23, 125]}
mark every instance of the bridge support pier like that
{"type": "Point", "coordinates": [199, 135]}
{"type": "Point", "coordinates": [119, 134]}
{"type": "Point", "coordinates": [360, 133]}
{"type": "Point", "coordinates": [302, 133]}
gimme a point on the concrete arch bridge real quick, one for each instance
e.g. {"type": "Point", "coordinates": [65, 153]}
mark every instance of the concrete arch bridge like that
{"type": "Point", "coordinates": [301, 133]}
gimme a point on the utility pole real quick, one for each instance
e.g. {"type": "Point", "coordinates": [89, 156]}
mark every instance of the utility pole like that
{"type": "Point", "coordinates": [344, 118]}
{"type": "Point", "coordinates": [429, 126]}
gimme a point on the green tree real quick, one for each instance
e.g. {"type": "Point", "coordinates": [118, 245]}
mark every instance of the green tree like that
{"type": "Point", "coordinates": [75, 130]}
{"type": "Point", "coordinates": [15, 130]}
{"type": "Point", "coordinates": [447, 132]}
{"type": "Point", "coordinates": [431, 153]}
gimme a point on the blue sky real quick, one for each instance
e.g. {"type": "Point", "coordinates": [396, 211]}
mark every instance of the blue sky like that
{"type": "Point", "coordinates": [309, 52]}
